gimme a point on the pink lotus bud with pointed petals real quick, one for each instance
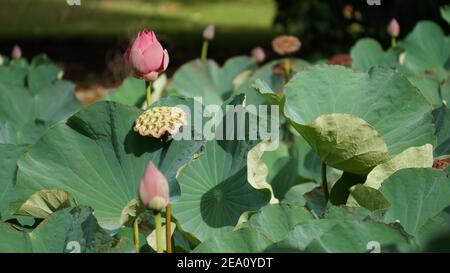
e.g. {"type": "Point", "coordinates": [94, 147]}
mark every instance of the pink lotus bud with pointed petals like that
{"type": "Point", "coordinates": [146, 56]}
{"type": "Point", "coordinates": [16, 52]}
{"type": "Point", "coordinates": [154, 189]}
{"type": "Point", "coordinates": [209, 32]}
{"type": "Point", "coordinates": [258, 54]}
{"type": "Point", "coordinates": [394, 28]}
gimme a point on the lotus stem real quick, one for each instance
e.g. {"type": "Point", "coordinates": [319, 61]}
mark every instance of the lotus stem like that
{"type": "Point", "coordinates": [148, 88]}
{"type": "Point", "coordinates": [158, 227]}
{"type": "Point", "coordinates": [204, 51]}
{"type": "Point", "coordinates": [169, 228]}
{"type": "Point", "coordinates": [136, 234]}
{"type": "Point", "coordinates": [325, 182]}
{"type": "Point", "coordinates": [287, 69]}
{"type": "Point", "coordinates": [393, 42]}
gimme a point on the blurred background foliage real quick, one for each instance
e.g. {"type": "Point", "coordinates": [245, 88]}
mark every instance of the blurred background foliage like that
{"type": "Point", "coordinates": [88, 40]}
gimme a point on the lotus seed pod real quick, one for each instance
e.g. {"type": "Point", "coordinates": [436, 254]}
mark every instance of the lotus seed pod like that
{"type": "Point", "coordinates": [154, 189]}
{"type": "Point", "coordinates": [286, 44]}
{"type": "Point", "coordinates": [158, 121]}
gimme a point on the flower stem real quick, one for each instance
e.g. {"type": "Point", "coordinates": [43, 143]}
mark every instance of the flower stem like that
{"type": "Point", "coordinates": [287, 69]}
{"type": "Point", "coordinates": [324, 181]}
{"type": "Point", "coordinates": [148, 88]}
{"type": "Point", "coordinates": [169, 228]}
{"type": "Point", "coordinates": [158, 226]}
{"type": "Point", "coordinates": [393, 42]}
{"type": "Point", "coordinates": [136, 233]}
{"type": "Point", "coordinates": [204, 50]}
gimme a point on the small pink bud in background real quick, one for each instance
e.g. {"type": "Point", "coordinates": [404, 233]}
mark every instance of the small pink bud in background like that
{"type": "Point", "coordinates": [16, 52]}
{"type": "Point", "coordinates": [394, 28]}
{"type": "Point", "coordinates": [258, 54]}
{"type": "Point", "coordinates": [146, 56]}
{"type": "Point", "coordinates": [209, 32]}
{"type": "Point", "coordinates": [154, 189]}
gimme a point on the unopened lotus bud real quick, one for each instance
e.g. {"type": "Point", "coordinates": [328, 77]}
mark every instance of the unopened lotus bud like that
{"type": "Point", "coordinates": [258, 54]}
{"type": "Point", "coordinates": [1, 60]}
{"type": "Point", "coordinates": [209, 32]}
{"type": "Point", "coordinates": [286, 44]}
{"type": "Point", "coordinates": [16, 52]}
{"type": "Point", "coordinates": [146, 56]}
{"type": "Point", "coordinates": [154, 189]}
{"type": "Point", "coordinates": [394, 28]}
{"type": "Point", "coordinates": [158, 121]}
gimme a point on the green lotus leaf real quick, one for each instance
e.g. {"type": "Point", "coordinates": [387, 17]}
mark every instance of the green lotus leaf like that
{"type": "Point", "coordinates": [414, 157]}
{"type": "Point", "coordinates": [340, 236]}
{"type": "Point", "coordinates": [367, 197]}
{"type": "Point", "coordinates": [70, 230]}
{"type": "Point", "coordinates": [436, 226]}
{"type": "Point", "coordinates": [9, 155]}
{"type": "Point", "coordinates": [429, 89]}
{"type": "Point", "coordinates": [345, 142]}
{"type": "Point", "coordinates": [383, 103]}
{"type": "Point", "coordinates": [415, 196]}
{"type": "Point", "coordinates": [445, 92]}
{"type": "Point", "coordinates": [442, 121]}
{"type": "Point", "coordinates": [296, 194]}
{"type": "Point", "coordinates": [445, 13]}
{"type": "Point", "coordinates": [275, 221]}
{"type": "Point", "coordinates": [215, 191]}
{"type": "Point", "coordinates": [209, 81]}
{"type": "Point", "coordinates": [368, 52]}
{"type": "Point", "coordinates": [272, 80]}
{"type": "Point", "coordinates": [241, 241]}
{"type": "Point", "coordinates": [98, 159]}
{"type": "Point", "coordinates": [427, 49]}
{"type": "Point", "coordinates": [24, 116]}
{"type": "Point", "coordinates": [130, 92]}
{"type": "Point", "coordinates": [266, 91]}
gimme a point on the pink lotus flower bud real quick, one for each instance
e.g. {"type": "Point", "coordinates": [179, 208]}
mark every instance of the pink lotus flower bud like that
{"type": "Point", "coordinates": [394, 28]}
{"type": "Point", "coordinates": [16, 52]}
{"type": "Point", "coordinates": [209, 32]}
{"type": "Point", "coordinates": [154, 189]}
{"type": "Point", "coordinates": [146, 56]}
{"type": "Point", "coordinates": [258, 54]}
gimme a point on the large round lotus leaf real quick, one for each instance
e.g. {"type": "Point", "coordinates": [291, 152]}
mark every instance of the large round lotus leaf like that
{"type": "Point", "coordinates": [368, 52]}
{"type": "Point", "coordinates": [390, 105]}
{"type": "Point", "coordinates": [429, 89]}
{"type": "Point", "coordinates": [340, 236]}
{"type": "Point", "coordinates": [427, 49]}
{"type": "Point", "coordinates": [209, 81]}
{"type": "Point", "coordinates": [98, 159]}
{"type": "Point", "coordinates": [415, 195]}
{"type": "Point", "coordinates": [241, 241]}
{"type": "Point", "coordinates": [215, 191]}
{"type": "Point", "coordinates": [8, 161]}
{"type": "Point", "coordinates": [72, 230]}
{"type": "Point", "coordinates": [275, 221]}
{"type": "Point", "coordinates": [25, 116]}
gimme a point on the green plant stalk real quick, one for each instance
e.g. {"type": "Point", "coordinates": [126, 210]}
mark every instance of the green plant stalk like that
{"type": "Point", "coordinates": [158, 227]}
{"type": "Point", "coordinates": [169, 228]}
{"type": "Point", "coordinates": [148, 91]}
{"type": "Point", "coordinates": [393, 42]}
{"type": "Point", "coordinates": [325, 182]}
{"type": "Point", "coordinates": [204, 51]}
{"type": "Point", "coordinates": [287, 69]}
{"type": "Point", "coordinates": [136, 234]}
